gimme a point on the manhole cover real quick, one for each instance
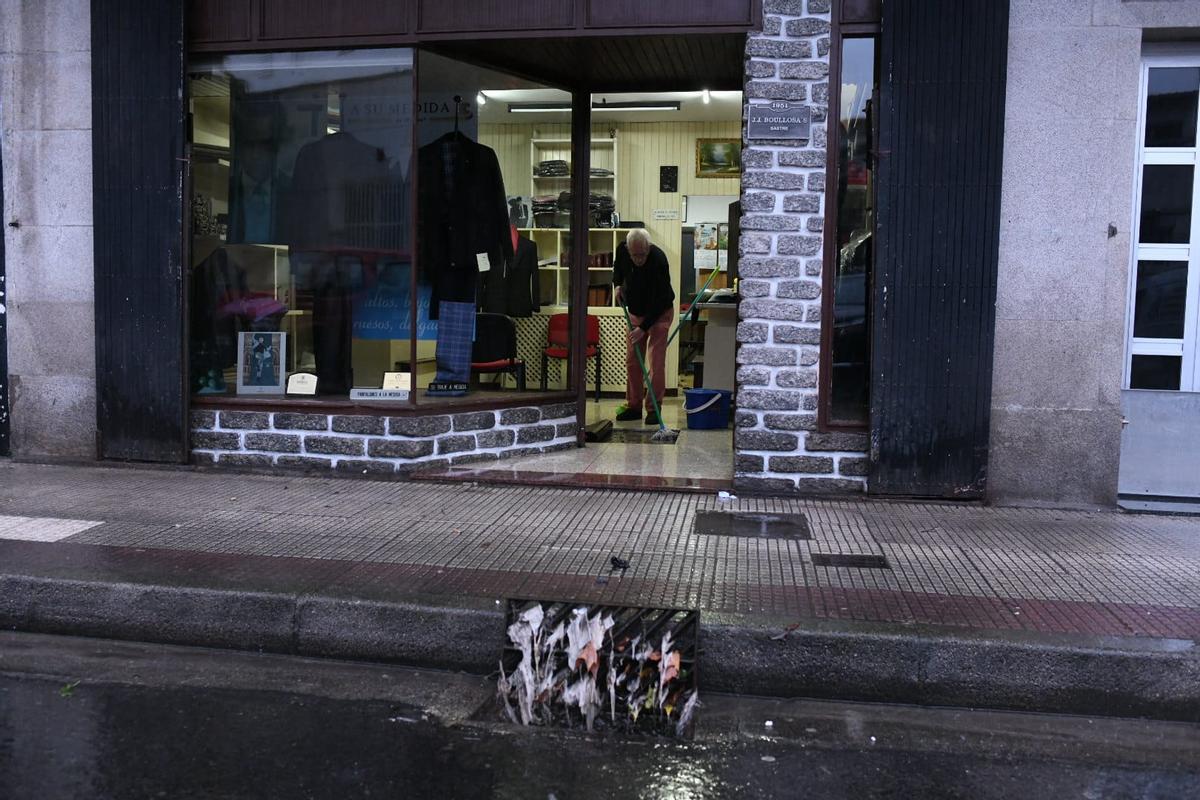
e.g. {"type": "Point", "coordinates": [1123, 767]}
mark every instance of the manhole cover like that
{"type": "Point", "coordinates": [857, 560]}
{"type": "Point", "coordinates": [761, 526]}
{"type": "Point", "coordinates": [600, 667]}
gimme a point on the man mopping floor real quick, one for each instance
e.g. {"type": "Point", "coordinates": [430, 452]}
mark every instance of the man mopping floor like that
{"type": "Point", "coordinates": [643, 287]}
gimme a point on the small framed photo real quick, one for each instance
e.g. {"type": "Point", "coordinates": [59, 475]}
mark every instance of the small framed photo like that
{"type": "Point", "coordinates": [261, 359]}
{"type": "Point", "coordinates": [718, 158]}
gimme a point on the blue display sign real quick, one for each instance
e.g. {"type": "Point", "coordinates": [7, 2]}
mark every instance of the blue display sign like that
{"type": "Point", "coordinates": [382, 311]}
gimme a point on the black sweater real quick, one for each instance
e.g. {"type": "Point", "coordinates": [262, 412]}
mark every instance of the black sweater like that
{"type": "Point", "coordinates": [648, 291]}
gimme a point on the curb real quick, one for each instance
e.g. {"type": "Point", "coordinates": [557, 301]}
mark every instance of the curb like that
{"type": "Point", "coordinates": [1099, 676]}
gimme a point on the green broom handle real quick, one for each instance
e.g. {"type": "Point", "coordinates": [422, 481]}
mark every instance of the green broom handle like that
{"type": "Point", "coordinates": [679, 324]}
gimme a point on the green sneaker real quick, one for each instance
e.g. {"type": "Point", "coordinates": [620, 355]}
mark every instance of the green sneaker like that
{"type": "Point", "coordinates": [625, 413]}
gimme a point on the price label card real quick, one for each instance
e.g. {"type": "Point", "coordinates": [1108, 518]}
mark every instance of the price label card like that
{"type": "Point", "coordinates": [397, 380]}
{"type": "Point", "coordinates": [302, 383]}
{"type": "Point", "coordinates": [485, 263]}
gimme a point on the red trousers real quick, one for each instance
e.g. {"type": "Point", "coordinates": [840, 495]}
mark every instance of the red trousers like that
{"type": "Point", "coordinates": [655, 341]}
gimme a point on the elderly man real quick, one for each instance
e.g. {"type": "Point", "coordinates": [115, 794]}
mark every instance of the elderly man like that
{"type": "Point", "coordinates": [643, 281]}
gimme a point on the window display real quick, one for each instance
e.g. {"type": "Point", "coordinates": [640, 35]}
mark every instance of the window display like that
{"type": "Point", "coordinates": [301, 183]}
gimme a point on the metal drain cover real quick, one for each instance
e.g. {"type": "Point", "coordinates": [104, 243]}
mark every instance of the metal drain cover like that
{"type": "Point", "coordinates": [753, 525]}
{"type": "Point", "coordinates": [621, 667]}
{"type": "Point", "coordinates": [856, 560]}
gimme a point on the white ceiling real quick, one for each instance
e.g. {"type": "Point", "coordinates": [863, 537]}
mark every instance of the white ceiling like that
{"type": "Point", "coordinates": [723, 106]}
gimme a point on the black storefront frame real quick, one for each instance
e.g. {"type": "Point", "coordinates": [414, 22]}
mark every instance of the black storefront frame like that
{"type": "Point", "coordinates": [576, 390]}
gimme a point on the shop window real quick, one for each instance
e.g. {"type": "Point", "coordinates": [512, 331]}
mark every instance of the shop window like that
{"type": "Point", "coordinates": [316, 251]}
{"type": "Point", "coordinates": [847, 339]}
{"type": "Point", "coordinates": [1164, 314]}
{"type": "Point", "coordinates": [494, 215]}
{"type": "Point", "coordinates": [301, 250]}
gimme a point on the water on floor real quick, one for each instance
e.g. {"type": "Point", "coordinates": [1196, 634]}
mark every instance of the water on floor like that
{"type": "Point", "coordinates": [696, 453]}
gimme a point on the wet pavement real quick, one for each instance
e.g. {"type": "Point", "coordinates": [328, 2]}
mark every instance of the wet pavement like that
{"type": "Point", "coordinates": [957, 565]}
{"type": "Point", "coordinates": [86, 718]}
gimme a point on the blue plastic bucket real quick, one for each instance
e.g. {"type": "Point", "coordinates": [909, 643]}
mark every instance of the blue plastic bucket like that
{"type": "Point", "coordinates": [707, 408]}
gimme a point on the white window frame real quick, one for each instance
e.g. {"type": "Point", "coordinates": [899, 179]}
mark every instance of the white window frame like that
{"type": "Point", "coordinates": [1188, 348]}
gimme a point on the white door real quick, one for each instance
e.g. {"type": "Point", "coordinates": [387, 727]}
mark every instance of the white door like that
{"type": "Point", "coordinates": [1160, 447]}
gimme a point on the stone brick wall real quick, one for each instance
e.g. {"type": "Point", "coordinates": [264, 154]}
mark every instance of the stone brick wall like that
{"type": "Point", "coordinates": [46, 135]}
{"type": "Point", "coordinates": [377, 444]}
{"type": "Point", "coordinates": [779, 333]}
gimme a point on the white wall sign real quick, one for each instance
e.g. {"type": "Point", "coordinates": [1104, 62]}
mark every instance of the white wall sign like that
{"type": "Point", "coordinates": [665, 213]}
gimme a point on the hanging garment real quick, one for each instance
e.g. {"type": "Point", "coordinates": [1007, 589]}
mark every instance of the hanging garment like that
{"type": "Point", "coordinates": [516, 290]}
{"type": "Point", "coordinates": [462, 217]}
{"type": "Point", "coordinates": [341, 214]}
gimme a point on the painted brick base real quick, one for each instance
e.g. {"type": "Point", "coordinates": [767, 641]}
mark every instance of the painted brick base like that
{"type": "Point", "coordinates": [377, 444]}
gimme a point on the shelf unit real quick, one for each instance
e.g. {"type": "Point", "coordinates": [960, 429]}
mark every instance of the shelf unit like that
{"type": "Point", "coordinates": [553, 242]}
{"type": "Point", "coordinates": [603, 156]}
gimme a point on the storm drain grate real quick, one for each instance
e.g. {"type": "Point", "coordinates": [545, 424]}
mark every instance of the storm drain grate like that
{"type": "Point", "coordinates": [857, 560]}
{"type": "Point", "coordinates": [601, 667]}
{"type": "Point", "coordinates": [754, 525]}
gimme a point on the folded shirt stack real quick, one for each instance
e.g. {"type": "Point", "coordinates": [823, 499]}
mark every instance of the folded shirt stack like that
{"type": "Point", "coordinates": [600, 172]}
{"type": "Point", "coordinates": [554, 168]}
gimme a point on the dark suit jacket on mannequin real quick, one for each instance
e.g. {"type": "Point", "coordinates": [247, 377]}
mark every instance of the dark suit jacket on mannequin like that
{"type": "Point", "coordinates": [515, 291]}
{"type": "Point", "coordinates": [330, 209]}
{"type": "Point", "coordinates": [462, 211]}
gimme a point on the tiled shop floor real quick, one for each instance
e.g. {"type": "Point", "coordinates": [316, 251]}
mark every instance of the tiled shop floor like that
{"type": "Point", "coordinates": [942, 564]}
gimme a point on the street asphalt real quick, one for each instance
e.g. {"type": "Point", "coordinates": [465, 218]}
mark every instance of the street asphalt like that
{"type": "Point", "coordinates": [932, 603]}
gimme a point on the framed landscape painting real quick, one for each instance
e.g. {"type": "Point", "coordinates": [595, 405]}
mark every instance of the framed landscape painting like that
{"type": "Point", "coordinates": [718, 158]}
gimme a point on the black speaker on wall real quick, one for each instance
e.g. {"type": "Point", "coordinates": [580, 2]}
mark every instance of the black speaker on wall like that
{"type": "Point", "coordinates": [668, 179]}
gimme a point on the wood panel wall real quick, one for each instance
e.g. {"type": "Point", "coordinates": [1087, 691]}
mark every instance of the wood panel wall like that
{"type": "Point", "coordinates": [264, 24]}
{"type": "Point", "coordinates": [643, 147]}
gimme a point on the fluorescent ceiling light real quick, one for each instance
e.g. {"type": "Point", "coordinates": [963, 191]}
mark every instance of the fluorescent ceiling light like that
{"type": "Point", "coordinates": [639, 105]}
{"type": "Point", "coordinates": [706, 97]}
{"type": "Point", "coordinates": [536, 108]}
{"type": "Point", "coordinates": [643, 105]}
{"type": "Point", "coordinates": [481, 99]}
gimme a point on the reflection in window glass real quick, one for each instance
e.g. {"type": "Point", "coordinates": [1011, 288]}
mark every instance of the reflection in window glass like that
{"type": "Point", "coordinates": [853, 257]}
{"type": "Point", "coordinates": [1155, 372]}
{"type": "Point", "coordinates": [301, 170]}
{"type": "Point", "coordinates": [1166, 204]}
{"type": "Point", "coordinates": [1171, 100]}
{"type": "Point", "coordinates": [1161, 300]}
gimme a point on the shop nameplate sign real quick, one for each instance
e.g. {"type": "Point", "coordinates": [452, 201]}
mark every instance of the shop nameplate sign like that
{"type": "Point", "coordinates": [779, 120]}
{"type": "Point", "coordinates": [665, 213]}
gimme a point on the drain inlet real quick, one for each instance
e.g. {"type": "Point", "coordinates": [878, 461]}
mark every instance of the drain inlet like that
{"type": "Point", "coordinates": [620, 668]}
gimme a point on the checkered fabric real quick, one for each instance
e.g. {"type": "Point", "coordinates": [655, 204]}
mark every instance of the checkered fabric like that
{"type": "Point", "coordinates": [456, 333]}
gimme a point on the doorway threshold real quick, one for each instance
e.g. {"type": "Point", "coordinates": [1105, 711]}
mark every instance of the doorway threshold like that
{"type": "Point", "coordinates": [575, 480]}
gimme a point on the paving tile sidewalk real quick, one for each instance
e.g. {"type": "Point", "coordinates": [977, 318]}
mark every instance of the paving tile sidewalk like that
{"type": "Point", "coordinates": [1046, 571]}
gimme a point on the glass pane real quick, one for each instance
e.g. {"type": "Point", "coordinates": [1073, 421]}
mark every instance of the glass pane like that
{"type": "Point", "coordinates": [1158, 310]}
{"type": "Point", "coordinates": [1166, 204]}
{"type": "Point", "coordinates": [1155, 372]}
{"type": "Point", "coordinates": [849, 402]}
{"type": "Point", "coordinates": [1171, 106]}
{"type": "Point", "coordinates": [300, 219]}
{"type": "Point", "coordinates": [494, 207]}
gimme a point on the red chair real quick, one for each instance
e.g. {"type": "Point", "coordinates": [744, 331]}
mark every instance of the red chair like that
{"type": "Point", "coordinates": [559, 344]}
